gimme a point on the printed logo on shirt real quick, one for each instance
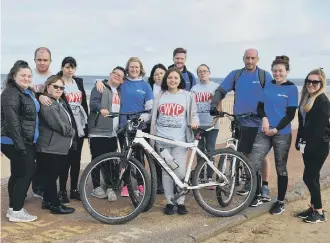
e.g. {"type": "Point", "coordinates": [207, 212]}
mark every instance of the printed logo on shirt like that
{"type": "Point", "coordinates": [171, 109]}
{"type": "Point", "coordinates": [140, 91]}
{"type": "Point", "coordinates": [282, 95]}
{"type": "Point", "coordinates": [203, 96]}
{"type": "Point", "coordinates": [115, 99]}
{"type": "Point", "coordinates": [73, 97]}
{"type": "Point", "coordinates": [256, 82]}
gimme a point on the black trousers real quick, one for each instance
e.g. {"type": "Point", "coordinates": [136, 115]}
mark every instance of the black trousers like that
{"type": "Point", "coordinates": [50, 166]}
{"type": "Point", "coordinates": [22, 169]}
{"type": "Point", "coordinates": [99, 146]}
{"type": "Point", "coordinates": [73, 165]}
{"type": "Point", "coordinates": [314, 160]}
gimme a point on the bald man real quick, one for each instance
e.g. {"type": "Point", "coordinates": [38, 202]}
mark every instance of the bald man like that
{"type": "Point", "coordinates": [248, 84]}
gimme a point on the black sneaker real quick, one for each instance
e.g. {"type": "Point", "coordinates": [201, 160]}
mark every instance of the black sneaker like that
{"type": "Point", "coordinates": [182, 209]}
{"type": "Point", "coordinates": [277, 208]}
{"type": "Point", "coordinates": [74, 194]}
{"type": "Point", "coordinates": [63, 196]}
{"type": "Point", "coordinates": [38, 194]}
{"type": "Point", "coordinates": [169, 209]}
{"type": "Point", "coordinates": [256, 201]}
{"type": "Point", "coordinates": [315, 218]}
{"type": "Point", "coordinates": [308, 212]}
{"type": "Point", "coordinates": [246, 189]}
{"type": "Point", "coordinates": [45, 205]}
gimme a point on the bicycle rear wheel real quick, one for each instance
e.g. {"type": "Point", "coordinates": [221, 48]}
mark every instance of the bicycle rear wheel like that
{"type": "Point", "coordinates": [209, 200]}
{"type": "Point", "coordinates": [122, 209]}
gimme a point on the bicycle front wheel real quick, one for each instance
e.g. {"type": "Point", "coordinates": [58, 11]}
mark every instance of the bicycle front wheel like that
{"type": "Point", "coordinates": [209, 199]}
{"type": "Point", "coordinates": [100, 192]}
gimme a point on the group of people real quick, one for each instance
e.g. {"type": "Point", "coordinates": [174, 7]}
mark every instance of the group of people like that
{"type": "Point", "coordinates": [45, 119]}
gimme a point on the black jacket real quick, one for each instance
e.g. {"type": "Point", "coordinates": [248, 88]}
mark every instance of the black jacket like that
{"type": "Point", "coordinates": [317, 124]}
{"type": "Point", "coordinates": [18, 117]}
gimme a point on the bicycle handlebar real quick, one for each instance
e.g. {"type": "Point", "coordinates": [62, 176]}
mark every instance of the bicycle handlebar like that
{"type": "Point", "coordinates": [235, 116]}
{"type": "Point", "coordinates": [117, 114]}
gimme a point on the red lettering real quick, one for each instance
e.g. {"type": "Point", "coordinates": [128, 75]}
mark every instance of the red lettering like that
{"type": "Point", "coordinates": [171, 109]}
{"type": "Point", "coordinates": [115, 99]}
{"type": "Point", "coordinates": [203, 97]}
{"type": "Point", "coordinates": [74, 97]}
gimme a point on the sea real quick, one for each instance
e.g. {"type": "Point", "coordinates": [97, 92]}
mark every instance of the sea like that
{"type": "Point", "coordinates": [89, 81]}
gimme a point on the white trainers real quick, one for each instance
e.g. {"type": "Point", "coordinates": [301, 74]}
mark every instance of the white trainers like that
{"type": "Point", "coordinates": [9, 211]}
{"type": "Point", "coordinates": [99, 192]}
{"type": "Point", "coordinates": [21, 216]}
{"type": "Point", "coordinates": [111, 195]}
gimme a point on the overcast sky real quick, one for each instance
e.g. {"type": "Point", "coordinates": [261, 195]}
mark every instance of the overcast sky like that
{"type": "Point", "coordinates": [105, 33]}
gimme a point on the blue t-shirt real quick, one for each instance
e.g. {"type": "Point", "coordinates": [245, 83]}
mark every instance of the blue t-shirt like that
{"type": "Point", "coordinates": [8, 140]}
{"type": "Point", "coordinates": [276, 99]}
{"type": "Point", "coordinates": [248, 92]}
{"type": "Point", "coordinates": [134, 95]}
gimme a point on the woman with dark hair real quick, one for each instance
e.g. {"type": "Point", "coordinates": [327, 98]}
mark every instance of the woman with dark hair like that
{"type": "Point", "coordinates": [55, 140]}
{"type": "Point", "coordinates": [103, 131]}
{"type": "Point", "coordinates": [156, 77]}
{"type": "Point", "coordinates": [19, 133]}
{"type": "Point", "coordinates": [313, 139]}
{"type": "Point", "coordinates": [76, 98]}
{"type": "Point", "coordinates": [173, 110]}
{"type": "Point", "coordinates": [136, 96]}
{"type": "Point", "coordinates": [155, 80]}
{"type": "Point", "coordinates": [277, 108]}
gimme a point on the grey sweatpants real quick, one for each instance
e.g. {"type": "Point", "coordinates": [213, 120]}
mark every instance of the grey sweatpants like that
{"type": "Point", "coordinates": [180, 155]}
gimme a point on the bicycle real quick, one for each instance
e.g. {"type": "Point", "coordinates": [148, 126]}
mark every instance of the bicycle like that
{"type": "Point", "coordinates": [126, 162]}
{"type": "Point", "coordinates": [235, 170]}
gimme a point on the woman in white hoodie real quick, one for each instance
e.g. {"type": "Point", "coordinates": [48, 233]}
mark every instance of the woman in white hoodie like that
{"type": "Point", "coordinates": [173, 110]}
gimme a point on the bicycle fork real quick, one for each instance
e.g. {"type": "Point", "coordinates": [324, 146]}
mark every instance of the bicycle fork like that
{"type": "Point", "coordinates": [123, 165]}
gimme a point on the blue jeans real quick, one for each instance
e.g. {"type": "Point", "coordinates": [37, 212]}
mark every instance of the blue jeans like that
{"type": "Point", "coordinates": [207, 142]}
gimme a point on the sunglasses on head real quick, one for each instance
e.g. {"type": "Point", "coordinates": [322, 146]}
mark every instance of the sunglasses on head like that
{"type": "Point", "coordinates": [58, 87]}
{"type": "Point", "coordinates": [313, 82]}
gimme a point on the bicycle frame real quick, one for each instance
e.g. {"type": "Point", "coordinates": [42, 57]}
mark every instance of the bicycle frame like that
{"type": "Point", "coordinates": [139, 139]}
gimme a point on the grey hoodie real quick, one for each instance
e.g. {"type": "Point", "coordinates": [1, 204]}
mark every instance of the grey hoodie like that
{"type": "Point", "coordinates": [98, 125]}
{"type": "Point", "coordinates": [191, 110]}
{"type": "Point", "coordinates": [55, 129]}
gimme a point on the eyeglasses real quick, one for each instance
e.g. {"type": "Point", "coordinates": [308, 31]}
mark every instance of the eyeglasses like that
{"type": "Point", "coordinates": [313, 82]}
{"type": "Point", "coordinates": [203, 71]}
{"type": "Point", "coordinates": [118, 75]}
{"type": "Point", "coordinates": [58, 87]}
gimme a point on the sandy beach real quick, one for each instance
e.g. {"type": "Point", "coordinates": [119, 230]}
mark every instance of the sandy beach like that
{"type": "Point", "coordinates": [224, 133]}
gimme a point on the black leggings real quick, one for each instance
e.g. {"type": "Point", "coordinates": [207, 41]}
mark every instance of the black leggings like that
{"type": "Point", "coordinates": [50, 166]}
{"type": "Point", "coordinates": [314, 160]}
{"type": "Point", "coordinates": [99, 146]}
{"type": "Point", "coordinates": [74, 158]}
{"type": "Point", "coordinates": [22, 169]}
{"type": "Point", "coordinates": [261, 147]}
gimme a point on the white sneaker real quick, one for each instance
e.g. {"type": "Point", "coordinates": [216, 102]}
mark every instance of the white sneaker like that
{"type": "Point", "coordinates": [9, 211]}
{"type": "Point", "coordinates": [111, 195]}
{"type": "Point", "coordinates": [21, 216]}
{"type": "Point", "coordinates": [99, 192]}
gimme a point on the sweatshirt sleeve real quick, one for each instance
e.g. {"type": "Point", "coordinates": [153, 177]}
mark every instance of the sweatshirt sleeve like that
{"type": "Point", "coordinates": [95, 100]}
{"type": "Point", "coordinates": [194, 114]}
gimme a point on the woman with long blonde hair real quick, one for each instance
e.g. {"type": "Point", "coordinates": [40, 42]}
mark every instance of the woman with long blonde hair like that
{"type": "Point", "coordinates": [313, 139]}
